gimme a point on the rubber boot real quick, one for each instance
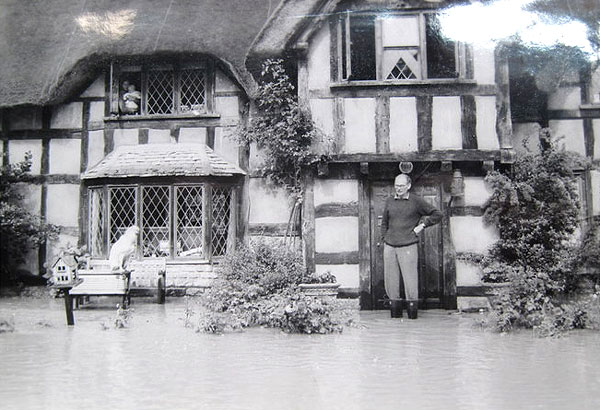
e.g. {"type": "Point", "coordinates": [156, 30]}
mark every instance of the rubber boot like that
{"type": "Point", "coordinates": [396, 308]}
{"type": "Point", "coordinates": [412, 308]}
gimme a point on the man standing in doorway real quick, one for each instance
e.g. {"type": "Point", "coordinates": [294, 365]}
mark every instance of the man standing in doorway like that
{"type": "Point", "coordinates": [404, 217]}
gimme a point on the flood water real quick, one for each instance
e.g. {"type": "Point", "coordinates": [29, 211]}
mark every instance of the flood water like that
{"type": "Point", "coordinates": [440, 361]}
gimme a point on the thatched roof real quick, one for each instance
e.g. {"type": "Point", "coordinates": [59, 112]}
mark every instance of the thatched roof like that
{"type": "Point", "coordinates": [156, 160]}
{"type": "Point", "coordinates": [50, 49]}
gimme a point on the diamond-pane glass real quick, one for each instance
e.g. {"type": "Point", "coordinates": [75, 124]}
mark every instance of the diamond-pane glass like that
{"type": "Point", "coordinates": [160, 92]}
{"type": "Point", "coordinates": [193, 90]}
{"type": "Point", "coordinates": [122, 211]}
{"type": "Point", "coordinates": [97, 222]}
{"type": "Point", "coordinates": [190, 238]}
{"type": "Point", "coordinates": [221, 211]}
{"type": "Point", "coordinates": [156, 238]}
{"type": "Point", "coordinates": [401, 71]}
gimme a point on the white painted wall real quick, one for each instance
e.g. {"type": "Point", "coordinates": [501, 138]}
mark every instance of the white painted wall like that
{"type": "Point", "coordinates": [227, 107]}
{"type": "Point", "coordinates": [18, 148]}
{"type": "Point", "coordinates": [195, 135]}
{"type": "Point", "coordinates": [318, 59]}
{"type": "Point", "coordinates": [62, 206]}
{"type": "Point", "coordinates": [596, 128]}
{"type": "Point", "coordinates": [446, 129]}
{"type": "Point", "coordinates": [484, 67]}
{"type": "Point", "coordinates": [125, 137]}
{"type": "Point", "coordinates": [97, 112]}
{"type": "Point", "coordinates": [359, 116]}
{"type": "Point", "coordinates": [321, 110]}
{"type": "Point", "coordinates": [470, 234]}
{"type": "Point", "coordinates": [268, 204]}
{"type": "Point", "coordinates": [336, 234]}
{"type": "Point", "coordinates": [565, 98]}
{"type": "Point", "coordinates": [96, 89]}
{"type": "Point", "coordinates": [467, 274]}
{"type": "Point", "coordinates": [486, 123]}
{"type": "Point", "coordinates": [403, 124]}
{"type": "Point", "coordinates": [159, 136]}
{"type": "Point", "coordinates": [572, 130]}
{"type": "Point", "coordinates": [476, 191]}
{"type": "Point", "coordinates": [225, 145]}
{"type": "Point", "coordinates": [67, 116]}
{"type": "Point", "coordinates": [32, 197]}
{"type": "Point", "coordinates": [64, 156]}
{"type": "Point", "coordinates": [347, 275]}
{"type": "Point", "coordinates": [595, 192]}
{"type": "Point", "coordinates": [95, 147]}
{"type": "Point", "coordinates": [335, 190]}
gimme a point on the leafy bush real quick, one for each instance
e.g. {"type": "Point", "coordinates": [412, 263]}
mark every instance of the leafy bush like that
{"type": "Point", "coordinates": [258, 286]}
{"type": "Point", "coordinates": [536, 211]}
{"type": "Point", "coordinates": [20, 231]}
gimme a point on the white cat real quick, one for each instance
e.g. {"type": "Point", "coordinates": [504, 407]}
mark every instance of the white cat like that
{"type": "Point", "coordinates": [123, 249]}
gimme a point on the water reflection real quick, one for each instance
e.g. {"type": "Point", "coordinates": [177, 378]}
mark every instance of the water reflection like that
{"type": "Point", "coordinates": [438, 361]}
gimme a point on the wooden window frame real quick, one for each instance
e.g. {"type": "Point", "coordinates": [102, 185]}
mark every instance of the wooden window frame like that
{"type": "Point", "coordinates": [118, 70]}
{"type": "Point", "coordinates": [344, 50]}
{"type": "Point", "coordinates": [207, 218]}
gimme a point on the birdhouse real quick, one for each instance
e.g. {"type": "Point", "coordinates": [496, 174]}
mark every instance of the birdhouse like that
{"type": "Point", "coordinates": [63, 270]}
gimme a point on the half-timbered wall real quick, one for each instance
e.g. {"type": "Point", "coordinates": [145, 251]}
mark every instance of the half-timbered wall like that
{"type": "Point", "coordinates": [67, 139]}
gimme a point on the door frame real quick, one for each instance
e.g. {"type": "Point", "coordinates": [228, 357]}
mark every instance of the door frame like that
{"type": "Point", "coordinates": [366, 256]}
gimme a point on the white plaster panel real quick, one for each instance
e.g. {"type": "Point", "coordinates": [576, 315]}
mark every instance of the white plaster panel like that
{"type": "Point", "coordinates": [446, 123]}
{"type": "Point", "coordinates": [596, 127]}
{"type": "Point", "coordinates": [67, 116]}
{"type": "Point", "coordinates": [347, 275]}
{"type": "Point", "coordinates": [476, 191]}
{"type": "Point", "coordinates": [360, 125]}
{"type": "Point", "coordinates": [468, 303]}
{"type": "Point", "coordinates": [256, 158]}
{"type": "Point", "coordinates": [335, 190]}
{"type": "Point", "coordinates": [227, 107]}
{"type": "Point", "coordinates": [486, 122]}
{"type": "Point", "coordinates": [322, 114]}
{"type": "Point", "coordinates": [223, 83]}
{"type": "Point", "coordinates": [18, 148]}
{"type": "Point", "coordinates": [32, 197]}
{"type": "Point", "coordinates": [25, 118]}
{"type": "Point", "coordinates": [595, 192]}
{"type": "Point", "coordinates": [268, 204]}
{"type": "Point", "coordinates": [194, 135]}
{"type": "Point", "coordinates": [95, 147]}
{"type": "Point", "coordinates": [336, 234]}
{"type": "Point", "coordinates": [467, 274]}
{"type": "Point", "coordinates": [470, 234]}
{"type": "Point", "coordinates": [225, 144]}
{"type": "Point", "coordinates": [62, 206]}
{"type": "Point", "coordinates": [96, 111]}
{"type": "Point", "coordinates": [525, 137]}
{"type": "Point", "coordinates": [65, 156]}
{"type": "Point", "coordinates": [159, 136]}
{"type": "Point", "coordinates": [96, 89]}
{"type": "Point", "coordinates": [318, 59]}
{"type": "Point", "coordinates": [125, 137]}
{"type": "Point", "coordinates": [484, 65]}
{"type": "Point", "coordinates": [565, 98]}
{"type": "Point", "coordinates": [572, 131]}
{"type": "Point", "coordinates": [403, 124]}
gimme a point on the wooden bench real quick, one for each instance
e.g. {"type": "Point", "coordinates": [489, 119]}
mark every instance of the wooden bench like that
{"type": "Point", "coordinates": [99, 280]}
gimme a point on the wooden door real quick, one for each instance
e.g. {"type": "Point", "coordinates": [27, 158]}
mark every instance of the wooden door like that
{"type": "Point", "coordinates": [431, 273]}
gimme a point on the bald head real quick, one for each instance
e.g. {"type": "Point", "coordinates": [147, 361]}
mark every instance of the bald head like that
{"type": "Point", "coordinates": [402, 186]}
{"type": "Point", "coordinates": [402, 179]}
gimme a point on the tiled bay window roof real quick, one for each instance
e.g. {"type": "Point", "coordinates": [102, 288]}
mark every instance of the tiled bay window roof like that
{"type": "Point", "coordinates": [156, 160]}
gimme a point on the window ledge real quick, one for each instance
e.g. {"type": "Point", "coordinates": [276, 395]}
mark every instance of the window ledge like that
{"type": "Point", "coordinates": [116, 118]}
{"type": "Point", "coordinates": [387, 83]}
{"type": "Point", "coordinates": [592, 106]}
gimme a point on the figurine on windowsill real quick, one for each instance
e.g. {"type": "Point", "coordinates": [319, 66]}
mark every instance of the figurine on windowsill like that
{"type": "Point", "coordinates": [132, 100]}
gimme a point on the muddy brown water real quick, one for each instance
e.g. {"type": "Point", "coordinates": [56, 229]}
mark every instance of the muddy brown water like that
{"type": "Point", "coordinates": [440, 361]}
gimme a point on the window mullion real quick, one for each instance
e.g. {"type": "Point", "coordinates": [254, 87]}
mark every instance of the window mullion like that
{"type": "Point", "coordinates": [207, 220]}
{"type": "Point", "coordinates": [144, 87]}
{"type": "Point", "coordinates": [378, 50]}
{"type": "Point", "coordinates": [176, 90]}
{"type": "Point", "coordinates": [348, 47]}
{"type": "Point", "coordinates": [422, 55]}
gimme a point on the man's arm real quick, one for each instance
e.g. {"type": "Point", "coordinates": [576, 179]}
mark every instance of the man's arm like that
{"type": "Point", "coordinates": [430, 216]}
{"type": "Point", "coordinates": [385, 221]}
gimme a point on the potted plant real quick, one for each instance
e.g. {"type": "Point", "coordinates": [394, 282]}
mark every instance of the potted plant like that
{"type": "Point", "coordinates": [324, 284]}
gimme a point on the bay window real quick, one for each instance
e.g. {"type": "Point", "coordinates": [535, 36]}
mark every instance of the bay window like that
{"type": "Point", "coordinates": [193, 221]}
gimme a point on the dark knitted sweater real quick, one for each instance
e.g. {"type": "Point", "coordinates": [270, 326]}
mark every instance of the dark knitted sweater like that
{"type": "Point", "coordinates": [400, 216]}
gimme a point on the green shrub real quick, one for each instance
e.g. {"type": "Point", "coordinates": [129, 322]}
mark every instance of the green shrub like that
{"type": "Point", "coordinates": [258, 286]}
{"type": "Point", "coordinates": [536, 212]}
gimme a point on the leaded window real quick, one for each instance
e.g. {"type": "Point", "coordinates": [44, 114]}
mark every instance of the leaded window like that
{"type": "Point", "coordinates": [191, 221]}
{"type": "Point", "coordinates": [179, 88]}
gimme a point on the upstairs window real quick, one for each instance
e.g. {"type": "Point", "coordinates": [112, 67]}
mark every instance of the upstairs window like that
{"type": "Point", "coordinates": [161, 89]}
{"type": "Point", "coordinates": [399, 47]}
